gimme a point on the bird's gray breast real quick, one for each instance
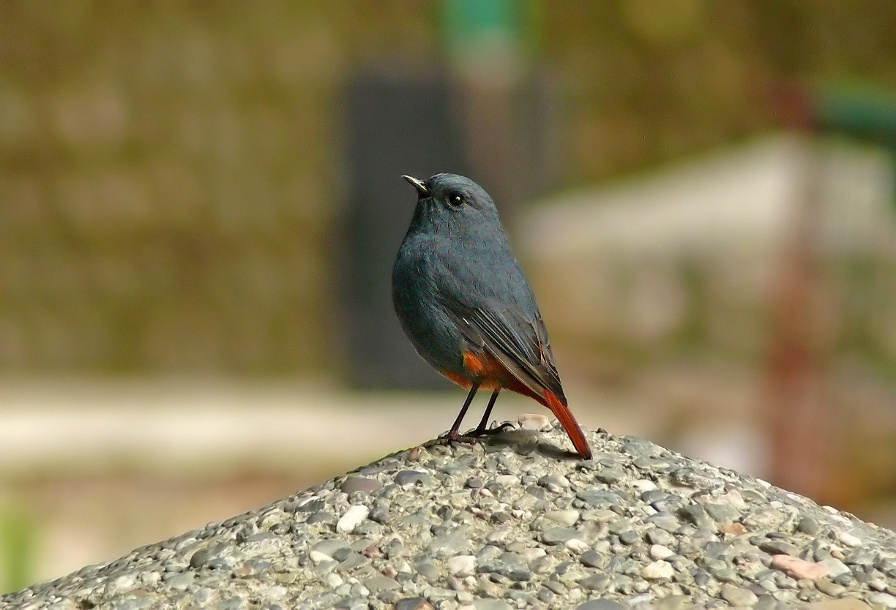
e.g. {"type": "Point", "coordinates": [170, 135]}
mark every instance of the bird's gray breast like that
{"type": "Point", "coordinates": [417, 279]}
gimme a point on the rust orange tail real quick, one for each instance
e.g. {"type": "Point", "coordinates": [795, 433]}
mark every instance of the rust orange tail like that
{"type": "Point", "coordinates": [569, 423]}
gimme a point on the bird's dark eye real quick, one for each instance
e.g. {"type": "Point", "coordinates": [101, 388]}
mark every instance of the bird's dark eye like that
{"type": "Point", "coordinates": [456, 199]}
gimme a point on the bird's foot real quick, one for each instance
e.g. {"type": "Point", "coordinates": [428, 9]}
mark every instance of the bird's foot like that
{"type": "Point", "coordinates": [483, 431]}
{"type": "Point", "coordinates": [455, 437]}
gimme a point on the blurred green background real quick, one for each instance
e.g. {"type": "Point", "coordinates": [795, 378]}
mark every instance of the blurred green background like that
{"type": "Point", "coordinates": [175, 179]}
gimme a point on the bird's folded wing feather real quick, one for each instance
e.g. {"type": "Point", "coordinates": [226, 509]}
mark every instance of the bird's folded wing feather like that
{"type": "Point", "coordinates": [520, 344]}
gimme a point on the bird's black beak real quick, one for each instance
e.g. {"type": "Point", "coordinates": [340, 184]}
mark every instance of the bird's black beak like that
{"type": "Point", "coordinates": [422, 191]}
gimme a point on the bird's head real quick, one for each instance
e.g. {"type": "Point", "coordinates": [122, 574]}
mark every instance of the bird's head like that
{"type": "Point", "coordinates": [454, 202]}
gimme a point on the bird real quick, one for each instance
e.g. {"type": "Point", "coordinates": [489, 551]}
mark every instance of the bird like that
{"type": "Point", "coordinates": [464, 303]}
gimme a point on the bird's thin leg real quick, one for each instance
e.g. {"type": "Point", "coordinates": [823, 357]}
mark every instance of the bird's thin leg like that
{"type": "Point", "coordinates": [453, 434]}
{"type": "Point", "coordinates": [483, 424]}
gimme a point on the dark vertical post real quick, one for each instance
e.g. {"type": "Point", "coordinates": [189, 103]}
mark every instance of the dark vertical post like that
{"type": "Point", "coordinates": [796, 409]}
{"type": "Point", "coordinates": [397, 123]}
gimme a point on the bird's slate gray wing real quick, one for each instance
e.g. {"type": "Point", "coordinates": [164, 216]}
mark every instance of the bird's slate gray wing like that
{"type": "Point", "coordinates": [517, 340]}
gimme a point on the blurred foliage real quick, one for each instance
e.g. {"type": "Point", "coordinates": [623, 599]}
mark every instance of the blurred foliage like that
{"type": "Point", "coordinates": [170, 172]}
{"type": "Point", "coordinates": [649, 81]}
{"type": "Point", "coordinates": [18, 548]}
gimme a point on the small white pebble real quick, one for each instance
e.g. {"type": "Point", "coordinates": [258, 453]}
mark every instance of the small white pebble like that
{"type": "Point", "coordinates": [461, 565]}
{"type": "Point", "coordinates": [734, 498]}
{"type": "Point", "coordinates": [576, 546]}
{"type": "Point", "coordinates": [658, 552]}
{"type": "Point", "coordinates": [352, 518]}
{"type": "Point", "coordinates": [334, 580]}
{"type": "Point", "coordinates": [277, 592]}
{"type": "Point", "coordinates": [658, 570]}
{"type": "Point", "coordinates": [556, 479]}
{"type": "Point", "coordinates": [848, 539]}
{"type": "Point", "coordinates": [150, 578]}
{"type": "Point", "coordinates": [644, 485]}
{"type": "Point", "coordinates": [883, 599]}
{"type": "Point", "coordinates": [121, 584]}
{"type": "Point", "coordinates": [534, 421]}
{"type": "Point", "coordinates": [318, 557]}
{"type": "Point", "coordinates": [305, 501]}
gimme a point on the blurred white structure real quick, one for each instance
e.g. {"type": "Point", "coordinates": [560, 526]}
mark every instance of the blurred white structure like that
{"type": "Point", "coordinates": [660, 285]}
{"type": "Point", "coordinates": [618, 262]}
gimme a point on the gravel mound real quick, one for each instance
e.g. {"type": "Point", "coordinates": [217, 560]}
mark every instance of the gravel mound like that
{"type": "Point", "coordinates": [515, 521]}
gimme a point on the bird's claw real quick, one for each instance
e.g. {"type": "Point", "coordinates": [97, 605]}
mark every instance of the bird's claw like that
{"type": "Point", "coordinates": [482, 431]}
{"type": "Point", "coordinates": [472, 437]}
{"type": "Point", "coordinates": [457, 438]}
